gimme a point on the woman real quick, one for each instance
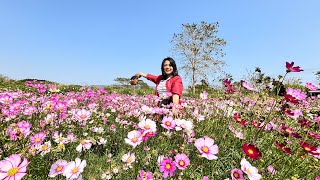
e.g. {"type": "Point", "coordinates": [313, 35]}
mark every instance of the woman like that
{"type": "Point", "coordinates": [169, 85]}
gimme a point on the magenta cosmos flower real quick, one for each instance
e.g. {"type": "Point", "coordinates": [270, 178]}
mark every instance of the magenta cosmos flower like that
{"type": "Point", "coordinates": [167, 166]}
{"type": "Point", "coordinates": [37, 139]}
{"type": "Point", "coordinates": [12, 168]}
{"type": "Point", "coordinates": [182, 161]}
{"type": "Point", "coordinates": [237, 174]}
{"type": "Point", "coordinates": [207, 147]}
{"type": "Point", "coordinates": [290, 67]}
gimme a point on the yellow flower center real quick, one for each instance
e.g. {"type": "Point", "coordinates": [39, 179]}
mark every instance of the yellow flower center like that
{"type": "Point", "coordinates": [238, 119]}
{"type": "Point", "coordinates": [45, 147]}
{"type": "Point", "coordinates": [37, 139]}
{"type": "Point", "coordinates": [168, 166]}
{"type": "Point", "coordinates": [82, 116]}
{"type": "Point", "coordinates": [205, 149]}
{"type": "Point", "coordinates": [6, 100]}
{"type": "Point", "coordinates": [288, 131]}
{"type": "Point", "coordinates": [134, 140]}
{"type": "Point", "coordinates": [168, 123]}
{"type": "Point", "coordinates": [250, 151]}
{"type": "Point", "coordinates": [181, 163]}
{"type": "Point", "coordinates": [75, 170]}
{"type": "Point", "coordinates": [307, 149]}
{"type": "Point", "coordinates": [128, 160]}
{"type": "Point", "coordinates": [12, 171]}
{"type": "Point", "coordinates": [59, 169]}
{"type": "Point", "coordinates": [147, 127]}
{"type": "Point", "coordinates": [235, 174]}
{"type": "Point", "coordinates": [83, 142]}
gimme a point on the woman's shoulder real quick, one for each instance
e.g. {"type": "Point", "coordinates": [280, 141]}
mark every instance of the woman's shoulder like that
{"type": "Point", "coordinates": [177, 77]}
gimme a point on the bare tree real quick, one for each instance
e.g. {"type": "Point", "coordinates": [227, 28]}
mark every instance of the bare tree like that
{"type": "Point", "coordinates": [199, 50]}
{"type": "Point", "coordinates": [318, 76]}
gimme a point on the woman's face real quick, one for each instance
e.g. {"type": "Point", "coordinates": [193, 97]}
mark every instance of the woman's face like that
{"type": "Point", "coordinates": [167, 67]}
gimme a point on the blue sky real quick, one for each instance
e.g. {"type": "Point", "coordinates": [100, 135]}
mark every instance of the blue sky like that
{"type": "Point", "coordinates": [94, 42]}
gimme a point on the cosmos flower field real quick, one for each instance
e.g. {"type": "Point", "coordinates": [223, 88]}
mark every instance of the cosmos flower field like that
{"type": "Point", "coordinates": [95, 134]}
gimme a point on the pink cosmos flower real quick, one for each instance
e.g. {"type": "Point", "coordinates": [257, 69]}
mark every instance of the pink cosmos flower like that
{"type": "Point", "coordinates": [58, 138]}
{"type": "Point", "coordinates": [134, 138]}
{"type": "Point", "coordinates": [37, 139]}
{"type": "Point", "coordinates": [29, 110]}
{"type": "Point", "coordinates": [11, 168]}
{"type": "Point", "coordinates": [71, 137]}
{"type": "Point", "coordinates": [168, 122]}
{"type": "Point", "coordinates": [160, 159]}
{"type": "Point", "coordinates": [251, 171]}
{"type": "Point", "coordinates": [74, 168]}
{"type": "Point", "coordinates": [205, 178]}
{"type": "Point", "coordinates": [249, 86]}
{"type": "Point", "coordinates": [181, 161]}
{"type": "Point", "coordinates": [204, 95]}
{"type": "Point", "coordinates": [57, 168]}
{"type": "Point", "coordinates": [82, 114]}
{"type": "Point", "coordinates": [148, 124]}
{"type": "Point", "coordinates": [311, 86]}
{"type": "Point", "coordinates": [15, 107]}
{"type": "Point", "coordinates": [237, 134]}
{"type": "Point", "coordinates": [237, 174]}
{"type": "Point", "coordinates": [271, 169]}
{"type": "Point", "coordinates": [167, 166]}
{"type": "Point", "coordinates": [144, 175]}
{"type": "Point", "coordinates": [290, 67]}
{"type": "Point", "coordinates": [60, 106]}
{"type": "Point", "coordinates": [199, 116]}
{"type": "Point", "coordinates": [72, 102]}
{"type": "Point", "coordinates": [84, 145]}
{"type": "Point", "coordinates": [207, 147]}
{"type": "Point", "coordinates": [6, 99]}
{"type": "Point", "coordinates": [24, 127]}
{"type": "Point", "coordinates": [128, 158]}
{"type": "Point", "coordinates": [45, 148]}
{"type": "Point", "coordinates": [53, 88]}
{"type": "Point", "coordinates": [296, 93]}
{"type": "Point", "coordinates": [146, 109]}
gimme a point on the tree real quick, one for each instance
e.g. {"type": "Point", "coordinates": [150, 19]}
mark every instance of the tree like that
{"type": "Point", "coordinates": [199, 50]}
{"type": "Point", "coordinates": [318, 76]}
{"type": "Point", "coordinates": [125, 82]}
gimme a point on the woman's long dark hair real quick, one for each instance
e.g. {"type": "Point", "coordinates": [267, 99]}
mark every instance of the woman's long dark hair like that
{"type": "Point", "coordinates": [173, 64]}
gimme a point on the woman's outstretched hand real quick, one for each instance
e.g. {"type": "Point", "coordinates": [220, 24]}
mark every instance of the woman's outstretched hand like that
{"type": "Point", "coordinates": [134, 80]}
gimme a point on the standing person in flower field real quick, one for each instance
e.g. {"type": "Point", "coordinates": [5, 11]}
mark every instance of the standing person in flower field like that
{"type": "Point", "coordinates": [169, 85]}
